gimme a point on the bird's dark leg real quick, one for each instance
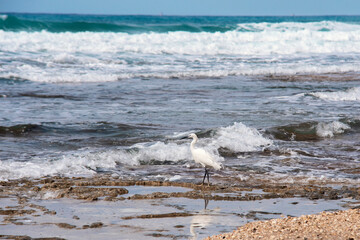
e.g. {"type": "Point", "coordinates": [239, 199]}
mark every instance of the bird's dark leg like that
{"type": "Point", "coordinates": [206, 172]}
{"type": "Point", "coordinates": [208, 177]}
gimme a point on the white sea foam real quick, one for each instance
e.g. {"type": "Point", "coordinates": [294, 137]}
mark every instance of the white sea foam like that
{"type": "Point", "coordinates": [323, 26]}
{"type": "Point", "coordinates": [237, 137]}
{"type": "Point", "coordinates": [330, 129]}
{"type": "Point", "coordinates": [352, 94]}
{"type": "Point", "coordinates": [240, 138]}
{"type": "Point", "coordinates": [82, 163]}
{"type": "Point", "coordinates": [270, 48]}
{"type": "Point", "coordinates": [158, 151]}
{"type": "Point", "coordinates": [175, 178]}
{"type": "Point", "coordinates": [3, 17]}
{"type": "Point", "coordinates": [48, 195]}
{"type": "Point", "coordinates": [273, 39]}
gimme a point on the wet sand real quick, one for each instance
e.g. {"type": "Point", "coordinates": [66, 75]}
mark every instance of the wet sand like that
{"type": "Point", "coordinates": [105, 206]}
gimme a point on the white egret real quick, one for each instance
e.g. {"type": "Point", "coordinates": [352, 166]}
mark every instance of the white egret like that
{"type": "Point", "coordinates": [203, 157]}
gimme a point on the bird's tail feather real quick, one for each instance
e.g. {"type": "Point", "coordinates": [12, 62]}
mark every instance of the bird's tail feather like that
{"type": "Point", "coordinates": [216, 166]}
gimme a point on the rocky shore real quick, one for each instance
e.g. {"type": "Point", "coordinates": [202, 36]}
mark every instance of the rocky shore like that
{"type": "Point", "coordinates": [104, 205]}
{"type": "Point", "coordinates": [102, 187]}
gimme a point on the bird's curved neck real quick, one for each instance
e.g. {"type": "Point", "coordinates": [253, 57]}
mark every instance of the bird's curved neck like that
{"type": "Point", "coordinates": [192, 145]}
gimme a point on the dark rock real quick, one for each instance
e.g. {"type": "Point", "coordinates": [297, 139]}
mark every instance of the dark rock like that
{"type": "Point", "coordinates": [65, 225]}
{"type": "Point", "coordinates": [96, 225]}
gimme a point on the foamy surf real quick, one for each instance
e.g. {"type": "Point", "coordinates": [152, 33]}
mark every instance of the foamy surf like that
{"type": "Point", "coordinates": [330, 129]}
{"type": "Point", "coordinates": [237, 138]}
{"type": "Point", "coordinates": [285, 48]}
{"type": "Point", "coordinates": [83, 162]}
{"type": "Point", "coordinates": [240, 138]}
{"type": "Point", "coordinates": [352, 94]}
{"type": "Point", "coordinates": [313, 130]}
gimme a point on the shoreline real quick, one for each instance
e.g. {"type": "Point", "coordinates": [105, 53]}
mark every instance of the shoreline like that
{"type": "Point", "coordinates": [104, 205]}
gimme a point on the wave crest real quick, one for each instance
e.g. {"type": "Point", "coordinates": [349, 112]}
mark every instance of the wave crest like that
{"type": "Point", "coordinates": [45, 56]}
{"type": "Point", "coordinates": [330, 129]}
{"type": "Point", "coordinates": [235, 138]}
{"type": "Point", "coordinates": [240, 138]}
{"type": "Point", "coordinates": [352, 94]}
{"type": "Point", "coordinates": [311, 130]}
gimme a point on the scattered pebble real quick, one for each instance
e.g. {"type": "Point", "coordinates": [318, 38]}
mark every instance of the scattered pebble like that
{"type": "Point", "coordinates": [326, 225]}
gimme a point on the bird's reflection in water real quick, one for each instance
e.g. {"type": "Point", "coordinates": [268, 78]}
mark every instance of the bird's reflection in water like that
{"type": "Point", "coordinates": [202, 220]}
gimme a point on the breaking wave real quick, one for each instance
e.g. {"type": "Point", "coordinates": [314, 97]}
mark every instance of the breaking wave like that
{"type": "Point", "coordinates": [308, 131]}
{"type": "Point", "coordinates": [237, 138]}
{"type": "Point", "coordinates": [352, 94]}
{"type": "Point", "coordinates": [142, 24]}
{"type": "Point", "coordinates": [250, 48]}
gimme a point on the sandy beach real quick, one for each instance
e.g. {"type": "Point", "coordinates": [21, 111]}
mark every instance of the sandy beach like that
{"type": "Point", "coordinates": [326, 225]}
{"type": "Point", "coordinates": [104, 206]}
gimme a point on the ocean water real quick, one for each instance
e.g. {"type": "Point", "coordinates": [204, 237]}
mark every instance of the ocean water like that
{"type": "Point", "coordinates": [273, 98]}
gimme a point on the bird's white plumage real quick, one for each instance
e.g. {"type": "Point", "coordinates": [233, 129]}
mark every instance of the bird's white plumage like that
{"type": "Point", "coordinates": [201, 156]}
{"type": "Point", "coordinates": [204, 158]}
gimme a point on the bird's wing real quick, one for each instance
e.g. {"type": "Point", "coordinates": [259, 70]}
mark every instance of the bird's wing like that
{"type": "Point", "coordinates": [205, 158]}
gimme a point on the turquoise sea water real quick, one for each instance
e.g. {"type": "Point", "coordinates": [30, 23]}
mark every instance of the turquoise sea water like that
{"type": "Point", "coordinates": [273, 97]}
{"type": "Point", "coordinates": [135, 24]}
